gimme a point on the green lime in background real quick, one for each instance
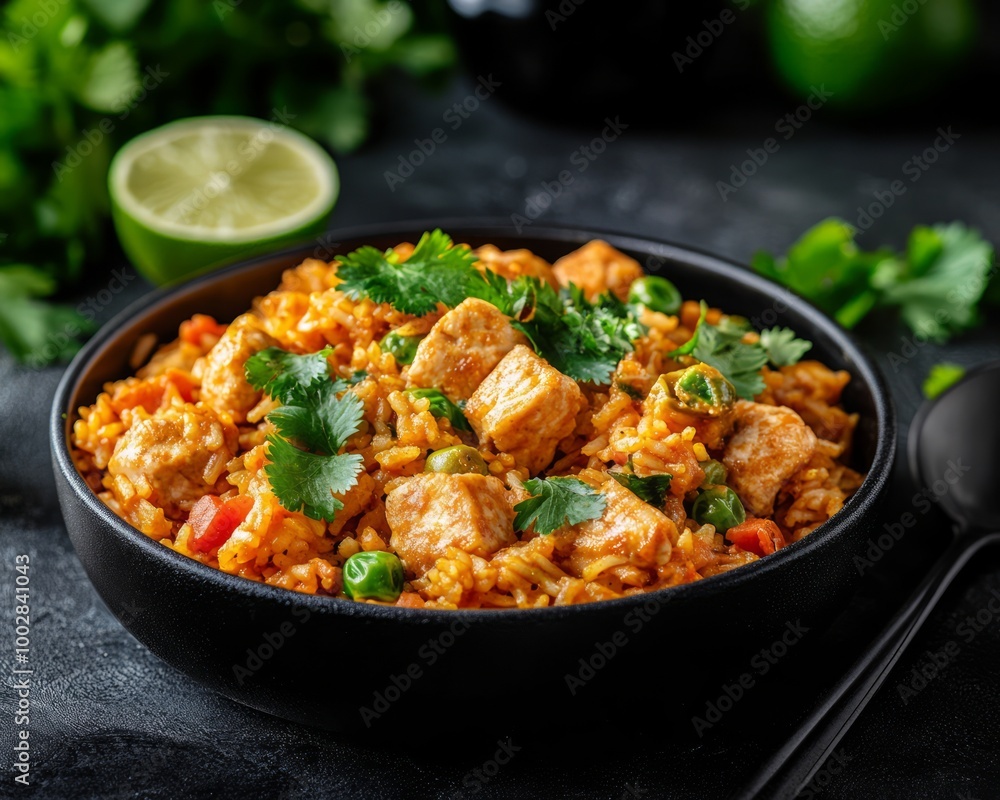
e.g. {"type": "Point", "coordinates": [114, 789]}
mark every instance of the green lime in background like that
{"type": "Point", "coordinates": [203, 191]}
{"type": "Point", "coordinates": [869, 53]}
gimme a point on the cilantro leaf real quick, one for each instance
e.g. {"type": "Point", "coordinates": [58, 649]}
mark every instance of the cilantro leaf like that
{"type": "Point", "coordinates": [307, 482]}
{"type": "Point", "coordinates": [937, 284]}
{"type": "Point", "coordinates": [320, 421]}
{"type": "Point", "coordinates": [688, 347]}
{"type": "Point", "coordinates": [436, 272]}
{"type": "Point", "coordinates": [441, 406]}
{"type": "Point", "coordinates": [558, 502]}
{"type": "Point", "coordinates": [315, 417]}
{"type": "Point", "coordinates": [826, 266]}
{"type": "Point", "coordinates": [650, 489]}
{"type": "Point", "coordinates": [34, 331]}
{"type": "Point", "coordinates": [740, 363]}
{"type": "Point", "coordinates": [284, 375]}
{"type": "Point", "coordinates": [782, 347]}
{"type": "Point", "coordinates": [946, 271]}
{"type": "Point", "coordinates": [580, 339]}
{"type": "Point", "coordinates": [941, 377]}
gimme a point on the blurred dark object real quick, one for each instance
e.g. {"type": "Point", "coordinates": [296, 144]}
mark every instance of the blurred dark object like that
{"type": "Point", "coordinates": [573, 60]}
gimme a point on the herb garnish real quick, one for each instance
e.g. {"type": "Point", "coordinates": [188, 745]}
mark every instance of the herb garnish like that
{"type": "Point", "coordinates": [316, 418]}
{"type": "Point", "coordinates": [558, 502]}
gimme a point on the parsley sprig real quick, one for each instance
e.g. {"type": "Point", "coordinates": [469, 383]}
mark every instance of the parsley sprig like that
{"type": "Point", "coordinates": [650, 489]}
{"type": "Point", "coordinates": [316, 418]}
{"type": "Point", "coordinates": [937, 283]}
{"type": "Point", "coordinates": [722, 346]}
{"type": "Point", "coordinates": [581, 339]}
{"type": "Point", "coordinates": [558, 502]}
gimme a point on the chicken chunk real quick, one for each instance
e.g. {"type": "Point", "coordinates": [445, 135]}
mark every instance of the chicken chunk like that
{"type": "Point", "coordinates": [224, 386]}
{"type": "Point", "coordinates": [771, 443]}
{"type": "Point", "coordinates": [524, 408]}
{"type": "Point", "coordinates": [596, 268]}
{"type": "Point", "coordinates": [462, 348]}
{"type": "Point", "coordinates": [630, 531]}
{"type": "Point", "coordinates": [434, 510]}
{"type": "Point", "coordinates": [175, 456]}
{"type": "Point", "coordinates": [512, 264]}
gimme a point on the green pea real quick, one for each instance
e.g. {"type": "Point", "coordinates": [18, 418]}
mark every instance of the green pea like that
{"type": "Point", "coordinates": [715, 473]}
{"type": "Point", "coordinates": [373, 576]}
{"type": "Point", "coordinates": [701, 389]}
{"type": "Point", "coordinates": [719, 506]}
{"type": "Point", "coordinates": [403, 348]}
{"type": "Point", "coordinates": [656, 293]}
{"type": "Point", "coordinates": [456, 460]}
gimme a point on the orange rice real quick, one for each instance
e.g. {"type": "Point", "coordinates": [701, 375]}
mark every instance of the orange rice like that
{"type": "Point", "coordinates": [224, 452]}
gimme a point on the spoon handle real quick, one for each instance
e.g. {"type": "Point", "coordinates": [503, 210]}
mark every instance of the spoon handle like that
{"type": "Point", "coordinates": [787, 772]}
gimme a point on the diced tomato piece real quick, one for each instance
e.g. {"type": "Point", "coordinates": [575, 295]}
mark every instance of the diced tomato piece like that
{"type": "Point", "coordinates": [760, 536]}
{"type": "Point", "coordinates": [214, 520]}
{"type": "Point", "coordinates": [410, 600]}
{"type": "Point", "coordinates": [202, 330]}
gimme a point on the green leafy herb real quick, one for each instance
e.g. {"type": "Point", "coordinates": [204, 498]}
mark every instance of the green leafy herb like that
{"type": "Point", "coordinates": [782, 346]}
{"type": "Point", "coordinates": [286, 375]}
{"type": "Point", "coordinates": [650, 489]}
{"type": "Point", "coordinates": [938, 287]}
{"type": "Point", "coordinates": [688, 347]}
{"type": "Point", "coordinates": [937, 284]}
{"type": "Point", "coordinates": [739, 362]}
{"type": "Point", "coordinates": [436, 272]}
{"type": "Point", "coordinates": [558, 502]}
{"type": "Point", "coordinates": [306, 482]}
{"type": "Point", "coordinates": [80, 77]}
{"type": "Point", "coordinates": [306, 468]}
{"type": "Point", "coordinates": [441, 406]}
{"type": "Point", "coordinates": [581, 339]}
{"type": "Point", "coordinates": [941, 377]}
{"type": "Point", "coordinates": [34, 331]}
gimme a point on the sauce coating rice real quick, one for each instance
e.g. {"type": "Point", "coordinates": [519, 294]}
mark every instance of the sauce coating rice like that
{"type": "Point", "coordinates": [180, 450]}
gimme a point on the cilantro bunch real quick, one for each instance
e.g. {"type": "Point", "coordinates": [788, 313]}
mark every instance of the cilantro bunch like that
{"type": "Point", "coordinates": [581, 339]}
{"type": "Point", "coordinates": [78, 78]}
{"type": "Point", "coordinates": [316, 418]}
{"type": "Point", "coordinates": [937, 283]}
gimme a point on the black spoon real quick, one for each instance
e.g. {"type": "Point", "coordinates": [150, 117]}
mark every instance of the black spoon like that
{"type": "Point", "coordinates": [954, 450]}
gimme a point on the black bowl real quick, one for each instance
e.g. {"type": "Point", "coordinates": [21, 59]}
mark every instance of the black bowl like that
{"type": "Point", "coordinates": [345, 665]}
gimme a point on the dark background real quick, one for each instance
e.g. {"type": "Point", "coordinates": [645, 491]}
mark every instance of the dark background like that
{"type": "Point", "coordinates": [109, 720]}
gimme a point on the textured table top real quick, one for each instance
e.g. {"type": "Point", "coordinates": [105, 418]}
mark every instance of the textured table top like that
{"type": "Point", "coordinates": [108, 719]}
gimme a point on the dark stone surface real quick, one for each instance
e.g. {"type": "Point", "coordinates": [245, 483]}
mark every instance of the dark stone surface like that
{"type": "Point", "coordinates": [109, 720]}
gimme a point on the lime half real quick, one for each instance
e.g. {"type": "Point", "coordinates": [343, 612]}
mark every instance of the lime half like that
{"type": "Point", "coordinates": [203, 191]}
